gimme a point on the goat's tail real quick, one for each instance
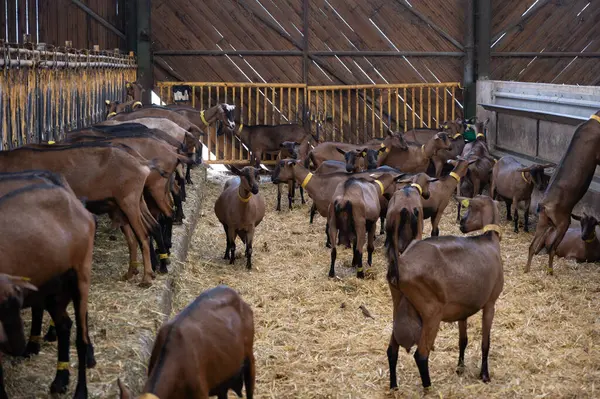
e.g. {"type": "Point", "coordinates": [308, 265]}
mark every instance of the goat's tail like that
{"type": "Point", "coordinates": [393, 227]}
{"type": "Point", "coordinates": [157, 165]}
{"type": "Point", "coordinates": [344, 221]}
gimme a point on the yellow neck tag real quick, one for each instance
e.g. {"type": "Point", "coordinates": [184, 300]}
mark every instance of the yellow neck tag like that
{"type": "Point", "coordinates": [149, 396]}
{"type": "Point", "coordinates": [382, 145]}
{"type": "Point", "coordinates": [137, 104]}
{"type": "Point", "coordinates": [380, 184]}
{"type": "Point", "coordinates": [51, 142]}
{"type": "Point", "coordinates": [62, 365]}
{"type": "Point", "coordinates": [456, 176]}
{"type": "Point", "coordinates": [244, 199]}
{"type": "Point", "coordinates": [240, 128]}
{"type": "Point", "coordinates": [203, 118]}
{"type": "Point", "coordinates": [457, 135]}
{"type": "Point", "coordinates": [480, 135]}
{"type": "Point", "coordinates": [465, 203]}
{"type": "Point", "coordinates": [111, 114]}
{"type": "Point", "coordinates": [595, 117]}
{"type": "Point", "coordinates": [423, 149]}
{"type": "Point", "coordinates": [306, 180]}
{"type": "Point", "coordinates": [493, 227]}
{"type": "Point", "coordinates": [135, 263]}
{"type": "Point", "coordinates": [590, 240]}
{"type": "Point", "coordinates": [525, 178]}
{"type": "Point", "coordinates": [163, 256]}
{"type": "Point", "coordinates": [418, 187]}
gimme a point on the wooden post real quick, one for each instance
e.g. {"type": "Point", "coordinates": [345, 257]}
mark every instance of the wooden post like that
{"type": "Point", "coordinates": [144, 50]}
{"type": "Point", "coordinates": [469, 66]}
{"type": "Point", "coordinates": [484, 38]}
{"type": "Point", "coordinates": [305, 60]}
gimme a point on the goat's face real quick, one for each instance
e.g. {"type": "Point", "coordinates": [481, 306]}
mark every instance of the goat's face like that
{"type": "Point", "coordinates": [351, 158]}
{"type": "Point", "coordinates": [461, 166]}
{"type": "Point", "coordinates": [480, 210]}
{"type": "Point", "coordinates": [442, 141]}
{"type": "Point", "coordinates": [12, 293]}
{"type": "Point", "coordinates": [421, 180]}
{"type": "Point", "coordinates": [372, 158]}
{"type": "Point", "coordinates": [540, 180]}
{"type": "Point", "coordinates": [248, 178]}
{"type": "Point", "coordinates": [453, 127]}
{"type": "Point", "coordinates": [395, 140]}
{"type": "Point", "coordinates": [225, 115]}
{"type": "Point", "coordinates": [110, 107]}
{"type": "Point", "coordinates": [284, 171]}
{"type": "Point", "coordinates": [289, 149]}
{"type": "Point", "coordinates": [588, 227]}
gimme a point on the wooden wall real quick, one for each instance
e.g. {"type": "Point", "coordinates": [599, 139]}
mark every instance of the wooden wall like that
{"type": "Point", "coordinates": [61, 20]}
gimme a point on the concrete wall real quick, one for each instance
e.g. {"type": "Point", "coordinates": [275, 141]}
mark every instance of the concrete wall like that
{"type": "Point", "coordinates": [531, 137]}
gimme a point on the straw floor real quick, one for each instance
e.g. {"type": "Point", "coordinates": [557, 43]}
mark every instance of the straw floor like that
{"type": "Point", "coordinates": [312, 340]}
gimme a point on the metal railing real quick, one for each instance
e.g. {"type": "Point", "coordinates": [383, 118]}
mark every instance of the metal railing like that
{"type": "Point", "coordinates": [352, 114]}
{"type": "Point", "coordinates": [44, 94]}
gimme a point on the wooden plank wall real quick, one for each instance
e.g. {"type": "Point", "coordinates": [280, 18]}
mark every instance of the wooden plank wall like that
{"type": "Point", "coordinates": [61, 20]}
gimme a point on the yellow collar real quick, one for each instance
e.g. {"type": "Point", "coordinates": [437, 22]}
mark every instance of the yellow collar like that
{"type": "Point", "coordinates": [383, 146]}
{"type": "Point", "coordinates": [136, 104]}
{"type": "Point", "coordinates": [52, 142]}
{"type": "Point", "coordinates": [240, 129]}
{"type": "Point", "coordinates": [111, 114]}
{"type": "Point", "coordinates": [456, 176]}
{"type": "Point", "coordinates": [244, 199]}
{"type": "Point", "coordinates": [306, 180]}
{"type": "Point", "coordinates": [418, 187]}
{"type": "Point", "coordinates": [595, 117]}
{"type": "Point", "coordinates": [524, 178]}
{"type": "Point", "coordinates": [149, 396]}
{"type": "Point", "coordinates": [493, 227]}
{"type": "Point", "coordinates": [480, 135]}
{"type": "Point", "coordinates": [457, 135]}
{"type": "Point", "coordinates": [380, 184]}
{"type": "Point", "coordinates": [590, 240]}
{"type": "Point", "coordinates": [423, 149]}
{"type": "Point", "coordinates": [203, 118]}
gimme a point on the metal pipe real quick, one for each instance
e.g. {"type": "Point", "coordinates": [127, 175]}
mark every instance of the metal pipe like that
{"type": "Point", "coordinates": [98, 18]}
{"type": "Point", "coordinates": [48, 64]}
{"type": "Point", "coordinates": [6, 19]}
{"type": "Point", "coordinates": [484, 38]}
{"type": "Point", "coordinates": [549, 54]}
{"type": "Point", "coordinates": [469, 61]}
{"type": "Point", "coordinates": [17, 20]}
{"type": "Point", "coordinates": [275, 53]}
{"type": "Point", "coordinates": [37, 21]}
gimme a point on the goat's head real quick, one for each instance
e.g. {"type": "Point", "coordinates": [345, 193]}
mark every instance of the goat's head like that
{"type": "Point", "coordinates": [420, 181]}
{"type": "Point", "coordinates": [371, 158]}
{"type": "Point", "coordinates": [12, 293]}
{"type": "Point", "coordinates": [284, 171]}
{"type": "Point", "coordinates": [352, 158]}
{"type": "Point", "coordinates": [225, 115]}
{"type": "Point", "coordinates": [248, 178]}
{"type": "Point", "coordinates": [588, 226]}
{"type": "Point", "coordinates": [442, 141]}
{"type": "Point", "coordinates": [453, 128]}
{"type": "Point", "coordinates": [289, 149]}
{"type": "Point", "coordinates": [481, 211]}
{"type": "Point", "coordinates": [110, 108]}
{"type": "Point", "coordinates": [538, 177]}
{"type": "Point", "coordinates": [461, 165]}
{"type": "Point", "coordinates": [393, 140]}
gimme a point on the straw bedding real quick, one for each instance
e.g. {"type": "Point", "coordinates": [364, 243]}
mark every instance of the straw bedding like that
{"type": "Point", "coordinates": [313, 341]}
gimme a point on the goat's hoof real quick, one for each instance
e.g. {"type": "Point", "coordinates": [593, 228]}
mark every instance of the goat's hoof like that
{"type": "Point", "coordinates": [145, 284]}
{"type": "Point", "coordinates": [485, 377]}
{"type": "Point", "coordinates": [460, 369]}
{"type": "Point", "coordinates": [90, 362]}
{"type": "Point", "coordinates": [232, 260]}
{"type": "Point", "coordinates": [112, 238]}
{"type": "Point", "coordinates": [189, 181]}
{"type": "Point", "coordinates": [516, 230]}
{"type": "Point", "coordinates": [360, 274]}
{"type": "Point", "coordinates": [177, 222]}
{"type": "Point", "coordinates": [32, 349]}
{"type": "Point", "coordinates": [327, 245]}
{"type": "Point", "coordinates": [331, 275]}
{"type": "Point", "coordinates": [509, 218]}
{"type": "Point", "coordinates": [61, 382]}
{"type": "Point", "coordinates": [550, 271]}
{"type": "Point", "coordinates": [163, 269]}
{"type": "Point", "coordinates": [51, 334]}
{"type": "Point", "coordinates": [526, 230]}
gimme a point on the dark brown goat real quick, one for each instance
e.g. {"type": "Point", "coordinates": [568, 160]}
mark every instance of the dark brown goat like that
{"type": "Point", "coordinates": [240, 208]}
{"type": "Point", "coordinates": [446, 279]}
{"type": "Point", "coordinates": [111, 180]}
{"type": "Point", "coordinates": [478, 177]}
{"type": "Point", "coordinates": [404, 218]}
{"type": "Point", "coordinates": [579, 243]}
{"type": "Point", "coordinates": [204, 351]}
{"type": "Point", "coordinates": [12, 335]}
{"type": "Point", "coordinates": [567, 186]}
{"type": "Point", "coordinates": [455, 131]}
{"type": "Point", "coordinates": [115, 107]}
{"type": "Point", "coordinates": [223, 113]}
{"type": "Point", "coordinates": [353, 213]}
{"type": "Point", "coordinates": [416, 158]}
{"type": "Point", "coordinates": [514, 182]}
{"type": "Point", "coordinates": [134, 91]}
{"type": "Point", "coordinates": [45, 224]}
{"type": "Point", "coordinates": [159, 112]}
{"type": "Point", "coordinates": [441, 191]}
{"type": "Point", "coordinates": [289, 150]}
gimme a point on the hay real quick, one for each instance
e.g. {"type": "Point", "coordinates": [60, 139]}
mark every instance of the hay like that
{"type": "Point", "coordinates": [544, 339]}
{"type": "Point", "coordinates": [123, 320]}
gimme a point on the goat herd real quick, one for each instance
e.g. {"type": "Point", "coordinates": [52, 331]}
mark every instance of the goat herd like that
{"type": "Point", "coordinates": [131, 167]}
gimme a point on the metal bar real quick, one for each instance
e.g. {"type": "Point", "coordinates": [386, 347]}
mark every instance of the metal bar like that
{"type": "Point", "coordinates": [469, 61]}
{"type": "Point", "coordinates": [365, 115]}
{"type": "Point", "coordinates": [429, 109]}
{"type": "Point", "coordinates": [194, 97]}
{"type": "Point", "coordinates": [305, 45]}
{"type": "Point", "coordinates": [384, 86]}
{"type": "Point", "coordinates": [289, 91]}
{"type": "Point", "coordinates": [325, 112]}
{"type": "Point", "coordinates": [445, 106]}
{"type": "Point", "coordinates": [257, 105]}
{"type": "Point", "coordinates": [437, 107]}
{"type": "Point", "coordinates": [414, 120]}
{"type": "Point", "coordinates": [233, 133]}
{"type": "Point", "coordinates": [280, 104]}
{"type": "Point", "coordinates": [421, 106]}
{"type": "Point", "coordinates": [389, 93]}
{"type": "Point", "coordinates": [453, 104]}
{"type": "Point", "coordinates": [380, 114]}
{"type": "Point", "coordinates": [98, 18]}
{"type": "Point", "coordinates": [144, 50]}
{"type": "Point", "coordinates": [429, 22]}
{"type": "Point", "coordinates": [357, 123]}
{"type": "Point", "coordinates": [373, 113]}
{"type": "Point", "coordinates": [265, 105]}
{"type": "Point", "coordinates": [301, 85]}
{"type": "Point", "coordinates": [216, 137]}
{"type": "Point", "coordinates": [309, 54]}
{"type": "Point", "coordinates": [297, 94]}
{"type": "Point", "coordinates": [249, 105]}
{"type": "Point", "coordinates": [549, 54]}
{"type": "Point", "coordinates": [202, 98]}
{"type": "Point", "coordinates": [405, 111]}
{"type": "Point", "coordinates": [342, 115]}
{"type": "Point", "coordinates": [241, 121]}
{"type": "Point", "coordinates": [272, 105]}
{"type": "Point", "coordinates": [484, 37]}
{"type": "Point", "coordinates": [397, 98]}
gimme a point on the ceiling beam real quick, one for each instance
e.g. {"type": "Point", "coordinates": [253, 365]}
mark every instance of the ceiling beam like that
{"type": "Point", "coordinates": [521, 20]}
{"type": "Point", "coordinates": [98, 18]}
{"type": "Point", "coordinates": [294, 53]}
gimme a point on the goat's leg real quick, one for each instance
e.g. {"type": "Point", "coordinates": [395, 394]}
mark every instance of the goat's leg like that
{"type": "Point", "coordinates": [57, 306]}
{"type": "Point", "coordinates": [132, 244]}
{"type": "Point", "coordinates": [392, 355]}
{"type": "Point", "coordinates": [516, 217]}
{"type": "Point", "coordinates": [543, 229]}
{"type": "Point", "coordinates": [429, 331]}
{"type": "Point", "coordinates": [249, 239]}
{"type": "Point", "coordinates": [231, 235]}
{"type": "Point", "coordinates": [332, 232]}
{"type": "Point", "coordinates": [463, 340]}
{"type": "Point", "coordinates": [35, 336]}
{"type": "Point", "coordinates": [508, 203]}
{"type": "Point", "coordinates": [3, 394]}
{"type": "Point", "coordinates": [435, 222]}
{"type": "Point", "coordinates": [360, 247]}
{"type": "Point", "coordinates": [381, 224]}
{"type": "Point", "coordinates": [302, 195]}
{"type": "Point", "coordinates": [329, 243]}
{"type": "Point", "coordinates": [250, 375]}
{"type": "Point", "coordinates": [526, 215]}
{"type": "Point", "coordinates": [561, 229]}
{"type": "Point", "coordinates": [458, 207]}
{"type": "Point", "coordinates": [278, 208]}
{"type": "Point", "coordinates": [372, 229]}
{"type": "Point", "coordinates": [486, 328]}
{"type": "Point", "coordinates": [291, 193]}
{"type": "Point", "coordinates": [51, 333]}
{"type": "Point", "coordinates": [188, 175]}
{"type": "Point", "coordinates": [313, 210]}
{"type": "Point", "coordinates": [226, 256]}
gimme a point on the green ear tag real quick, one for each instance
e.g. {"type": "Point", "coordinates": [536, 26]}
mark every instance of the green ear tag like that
{"type": "Point", "coordinates": [465, 203]}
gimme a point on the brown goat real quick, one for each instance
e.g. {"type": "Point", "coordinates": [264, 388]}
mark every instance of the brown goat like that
{"type": "Point", "coordinates": [446, 279]}
{"type": "Point", "coordinates": [441, 191]}
{"type": "Point", "coordinates": [204, 351]}
{"type": "Point", "coordinates": [568, 185]}
{"type": "Point", "coordinates": [478, 177]}
{"type": "Point", "coordinates": [455, 131]}
{"type": "Point", "coordinates": [353, 214]}
{"type": "Point", "coordinates": [478, 147]}
{"type": "Point", "coordinates": [115, 107]}
{"type": "Point", "coordinates": [416, 158]}
{"type": "Point", "coordinates": [12, 335]}
{"type": "Point", "coordinates": [289, 150]}
{"type": "Point", "coordinates": [514, 182]}
{"type": "Point", "coordinates": [579, 243]}
{"type": "Point", "coordinates": [111, 180]}
{"type": "Point", "coordinates": [223, 113]}
{"type": "Point", "coordinates": [159, 112]}
{"type": "Point", "coordinates": [240, 208]}
{"type": "Point", "coordinates": [404, 218]}
{"type": "Point", "coordinates": [134, 91]}
{"type": "Point", "coordinates": [45, 224]}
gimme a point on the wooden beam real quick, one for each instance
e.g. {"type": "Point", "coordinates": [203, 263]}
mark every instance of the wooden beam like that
{"type": "Point", "coordinates": [429, 22]}
{"type": "Point", "coordinates": [309, 54]}
{"type": "Point", "coordinates": [521, 20]}
{"type": "Point", "coordinates": [162, 64]}
{"type": "Point", "coordinates": [98, 18]}
{"type": "Point", "coordinates": [305, 42]}
{"type": "Point", "coordinates": [469, 61]}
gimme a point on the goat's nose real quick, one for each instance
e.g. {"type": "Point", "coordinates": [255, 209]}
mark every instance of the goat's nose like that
{"type": "Point", "coordinates": [255, 189]}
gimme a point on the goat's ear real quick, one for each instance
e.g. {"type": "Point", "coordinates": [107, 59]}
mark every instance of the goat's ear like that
{"type": "Point", "coordinates": [124, 392]}
{"type": "Point", "coordinates": [291, 163]}
{"type": "Point", "coordinates": [381, 149]}
{"type": "Point", "coordinates": [23, 283]}
{"type": "Point", "coordinates": [464, 201]}
{"type": "Point", "coordinates": [578, 218]}
{"type": "Point", "coordinates": [432, 180]}
{"type": "Point", "coordinates": [472, 161]}
{"type": "Point", "coordinates": [524, 170]}
{"type": "Point", "coordinates": [107, 102]}
{"type": "Point", "coordinates": [235, 170]}
{"type": "Point", "coordinates": [340, 151]}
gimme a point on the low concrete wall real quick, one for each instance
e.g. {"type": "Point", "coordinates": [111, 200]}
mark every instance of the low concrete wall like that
{"type": "Point", "coordinates": [531, 139]}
